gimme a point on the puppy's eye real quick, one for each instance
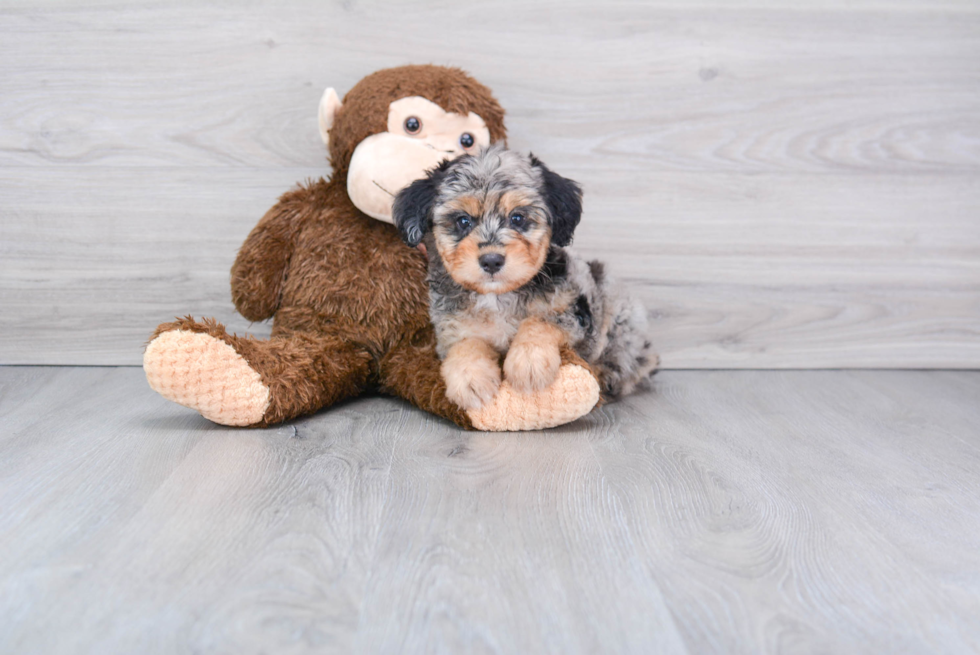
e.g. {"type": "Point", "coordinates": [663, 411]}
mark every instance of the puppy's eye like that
{"type": "Point", "coordinates": [464, 222]}
{"type": "Point", "coordinates": [517, 219]}
{"type": "Point", "coordinates": [413, 125]}
{"type": "Point", "coordinates": [467, 140]}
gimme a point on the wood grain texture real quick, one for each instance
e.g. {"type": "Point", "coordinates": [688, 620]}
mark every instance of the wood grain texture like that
{"type": "Point", "coordinates": [899, 293]}
{"type": "Point", "coordinates": [787, 187]}
{"type": "Point", "coordinates": [720, 512]}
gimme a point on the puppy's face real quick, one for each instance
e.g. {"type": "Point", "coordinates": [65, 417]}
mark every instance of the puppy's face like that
{"type": "Point", "coordinates": [492, 217]}
{"type": "Point", "coordinates": [492, 240]}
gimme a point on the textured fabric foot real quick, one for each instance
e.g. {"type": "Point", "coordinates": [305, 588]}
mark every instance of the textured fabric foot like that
{"type": "Point", "coordinates": [573, 394]}
{"type": "Point", "coordinates": [206, 374]}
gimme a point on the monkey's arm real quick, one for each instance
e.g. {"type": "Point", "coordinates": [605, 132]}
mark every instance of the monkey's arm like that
{"type": "Point", "coordinates": [260, 268]}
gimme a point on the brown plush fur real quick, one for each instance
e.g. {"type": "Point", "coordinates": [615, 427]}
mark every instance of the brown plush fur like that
{"type": "Point", "coordinates": [349, 300]}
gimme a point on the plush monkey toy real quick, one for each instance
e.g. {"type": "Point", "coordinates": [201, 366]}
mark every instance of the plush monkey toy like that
{"type": "Point", "coordinates": [348, 298]}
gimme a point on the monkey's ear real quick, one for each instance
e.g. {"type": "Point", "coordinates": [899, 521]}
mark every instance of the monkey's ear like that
{"type": "Point", "coordinates": [329, 104]}
{"type": "Point", "coordinates": [412, 209]}
{"type": "Point", "coordinates": [564, 200]}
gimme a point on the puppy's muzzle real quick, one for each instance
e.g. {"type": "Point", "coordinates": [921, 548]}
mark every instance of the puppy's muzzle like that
{"type": "Point", "coordinates": [491, 262]}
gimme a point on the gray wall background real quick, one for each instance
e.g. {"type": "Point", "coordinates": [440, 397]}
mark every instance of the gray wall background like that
{"type": "Point", "coordinates": [785, 185]}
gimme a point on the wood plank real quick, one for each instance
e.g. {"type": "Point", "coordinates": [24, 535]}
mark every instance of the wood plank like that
{"type": "Point", "coordinates": [86, 275]}
{"type": "Point", "coordinates": [721, 512]}
{"type": "Point", "coordinates": [771, 490]}
{"type": "Point", "coordinates": [655, 87]}
{"type": "Point", "coordinates": [190, 533]}
{"type": "Point", "coordinates": [515, 531]}
{"type": "Point", "coordinates": [786, 187]}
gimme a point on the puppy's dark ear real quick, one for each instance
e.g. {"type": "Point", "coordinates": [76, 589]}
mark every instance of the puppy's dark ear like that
{"type": "Point", "coordinates": [564, 199]}
{"type": "Point", "coordinates": [412, 210]}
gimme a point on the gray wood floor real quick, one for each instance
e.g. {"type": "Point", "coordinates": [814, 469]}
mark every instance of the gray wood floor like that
{"type": "Point", "coordinates": [720, 512]}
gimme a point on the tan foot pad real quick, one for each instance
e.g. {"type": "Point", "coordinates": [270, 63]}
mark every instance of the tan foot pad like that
{"type": "Point", "coordinates": [206, 374]}
{"type": "Point", "coordinates": [573, 394]}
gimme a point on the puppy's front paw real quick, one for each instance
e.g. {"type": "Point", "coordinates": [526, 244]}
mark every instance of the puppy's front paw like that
{"type": "Point", "coordinates": [530, 366]}
{"type": "Point", "coordinates": [471, 382]}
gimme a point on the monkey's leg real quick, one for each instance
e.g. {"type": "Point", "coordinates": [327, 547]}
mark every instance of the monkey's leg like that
{"type": "Point", "coordinates": [247, 382]}
{"type": "Point", "coordinates": [411, 370]}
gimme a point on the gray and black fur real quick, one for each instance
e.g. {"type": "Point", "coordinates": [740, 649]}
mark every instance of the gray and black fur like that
{"type": "Point", "coordinates": [602, 322]}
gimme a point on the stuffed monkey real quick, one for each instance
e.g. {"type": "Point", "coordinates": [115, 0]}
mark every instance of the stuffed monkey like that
{"type": "Point", "coordinates": [348, 298]}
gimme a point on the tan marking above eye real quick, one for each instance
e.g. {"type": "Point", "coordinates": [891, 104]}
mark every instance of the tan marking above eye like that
{"type": "Point", "coordinates": [512, 200]}
{"type": "Point", "coordinates": [466, 204]}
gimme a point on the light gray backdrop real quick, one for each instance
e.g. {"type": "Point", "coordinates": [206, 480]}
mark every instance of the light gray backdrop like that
{"type": "Point", "coordinates": [784, 186]}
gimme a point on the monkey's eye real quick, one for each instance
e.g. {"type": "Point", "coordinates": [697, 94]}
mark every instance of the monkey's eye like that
{"type": "Point", "coordinates": [413, 125]}
{"type": "Point", "coordinates": [467, 140]}
{"type": "Point", "coordinates": [463, 222]}
{"type": "Point", "coordinates": [517, 219]}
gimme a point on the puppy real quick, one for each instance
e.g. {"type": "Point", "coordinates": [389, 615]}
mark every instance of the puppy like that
{"type": "Point", "coordinates": [502, 283]}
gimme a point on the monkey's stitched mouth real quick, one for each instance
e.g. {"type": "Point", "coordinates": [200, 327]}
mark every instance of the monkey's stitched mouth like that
{"type": "Point", "coordinates": [448, 152]}
{"type": "Point", "coordinates": [375, 182]}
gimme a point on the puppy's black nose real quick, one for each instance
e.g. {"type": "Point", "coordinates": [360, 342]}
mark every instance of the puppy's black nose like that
{"type": "Point", "coordinates": [491, 262]}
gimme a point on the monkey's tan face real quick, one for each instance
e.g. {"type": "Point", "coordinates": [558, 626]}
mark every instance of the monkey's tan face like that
{"type": "Point", "coordinates": [420, 135]}
{"type": "Point", "coordinates": [492, 240]}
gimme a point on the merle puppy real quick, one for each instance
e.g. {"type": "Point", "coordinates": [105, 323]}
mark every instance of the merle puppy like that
{"type": "Point", "coordinates": [502, 282]}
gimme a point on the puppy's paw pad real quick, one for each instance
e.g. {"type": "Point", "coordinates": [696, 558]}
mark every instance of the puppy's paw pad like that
{"type": "Point", "coordinates": [531, 367]}
{"type": "Point", "coordinates": [471, 383]}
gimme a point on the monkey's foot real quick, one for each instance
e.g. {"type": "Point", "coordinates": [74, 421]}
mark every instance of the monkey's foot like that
{"type": "Point", "coordinates": [200, 371]}
{"type": "Point", "coordinates": [573, 394]}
